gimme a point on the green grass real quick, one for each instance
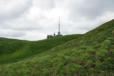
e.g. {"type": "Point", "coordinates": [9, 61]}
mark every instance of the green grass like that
{"type": "Point", "coordinates": [15, 50]}
{"type": "Point", "coordinates": [91, 54]}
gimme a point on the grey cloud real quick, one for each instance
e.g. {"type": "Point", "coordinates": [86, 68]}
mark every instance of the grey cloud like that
{"type": "Point", "coordinates": [92, 9]}
{"type": "Point", "coordinates": [11, 33]}
{"type": "Point", "coordinates": [11, 9]}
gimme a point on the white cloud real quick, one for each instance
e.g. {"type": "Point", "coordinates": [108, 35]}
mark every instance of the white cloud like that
{"type": "Point", "coordinates": [34, 19]}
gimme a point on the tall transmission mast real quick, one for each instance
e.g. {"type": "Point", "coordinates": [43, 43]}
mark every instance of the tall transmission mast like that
{"type": "Point", "coordinates": [59, 27]}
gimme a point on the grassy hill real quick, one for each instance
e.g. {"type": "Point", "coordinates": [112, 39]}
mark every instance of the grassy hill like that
{"type": "Point", "coordinates": [12, 50]}
{"type": "Point", "coordinates": [91, 54]}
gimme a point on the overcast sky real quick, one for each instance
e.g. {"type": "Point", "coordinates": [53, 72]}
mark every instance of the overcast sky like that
{"type": "Point", "coordinates": [34, 19]}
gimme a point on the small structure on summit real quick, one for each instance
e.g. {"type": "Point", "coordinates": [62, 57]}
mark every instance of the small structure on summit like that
{"type": "Point", "coordinates": [49, 36]}
{"type": "Point", "coordinates": [59, 31]}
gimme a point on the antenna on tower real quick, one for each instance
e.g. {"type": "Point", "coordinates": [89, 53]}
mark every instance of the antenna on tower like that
{"type": "Point", "coordinates": [59, 27]}
{"type": "Point", "coordinates": [59, 31]}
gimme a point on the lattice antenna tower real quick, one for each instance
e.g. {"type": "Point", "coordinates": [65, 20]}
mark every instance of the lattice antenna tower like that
{"type": "Point", "coordinates": [59, 27]}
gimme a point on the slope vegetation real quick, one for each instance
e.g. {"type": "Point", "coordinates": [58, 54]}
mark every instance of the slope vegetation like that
{"type": "Point", "coordinates": [92, 54]}
{"type": "Point", "coordinates": [14, 50]}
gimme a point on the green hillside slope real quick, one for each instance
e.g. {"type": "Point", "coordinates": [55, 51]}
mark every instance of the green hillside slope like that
{"type": "Point", "coordinates": [8, 46]}
{"type": "Point", "coordinates": [14, 50]}
{"type": "Point", "coordinates": [92, 54]}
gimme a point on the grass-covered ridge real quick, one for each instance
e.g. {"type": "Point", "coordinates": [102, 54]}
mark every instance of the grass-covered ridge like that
{"type": "Point", "coordinates": [12, 50]}
{"type": "Point", "coordinates": [92, 54]}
